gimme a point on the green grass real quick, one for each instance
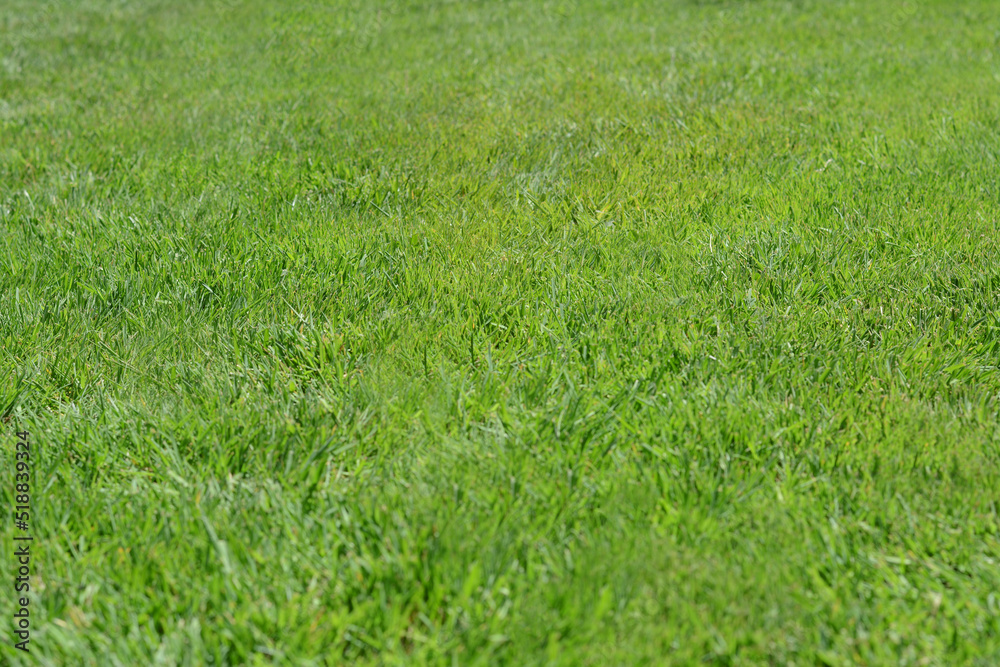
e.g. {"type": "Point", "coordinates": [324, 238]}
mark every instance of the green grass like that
{"type": "Point", "coordinates": [503, 333]}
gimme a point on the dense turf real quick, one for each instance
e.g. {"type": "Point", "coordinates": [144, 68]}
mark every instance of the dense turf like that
{"type": "Point", "coordinates": [503, 332]}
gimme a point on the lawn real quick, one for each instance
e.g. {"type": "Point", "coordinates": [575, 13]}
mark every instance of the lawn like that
{"type": "Point", "coordinates": [502, 333]}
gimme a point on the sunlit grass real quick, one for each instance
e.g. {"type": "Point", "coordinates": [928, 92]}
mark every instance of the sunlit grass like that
{"type": "Point", "coordinates": [504, 333]}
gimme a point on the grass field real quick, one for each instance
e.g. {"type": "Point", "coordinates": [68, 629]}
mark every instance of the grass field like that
{"type": "Point", "coordinates": [502, 333]}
